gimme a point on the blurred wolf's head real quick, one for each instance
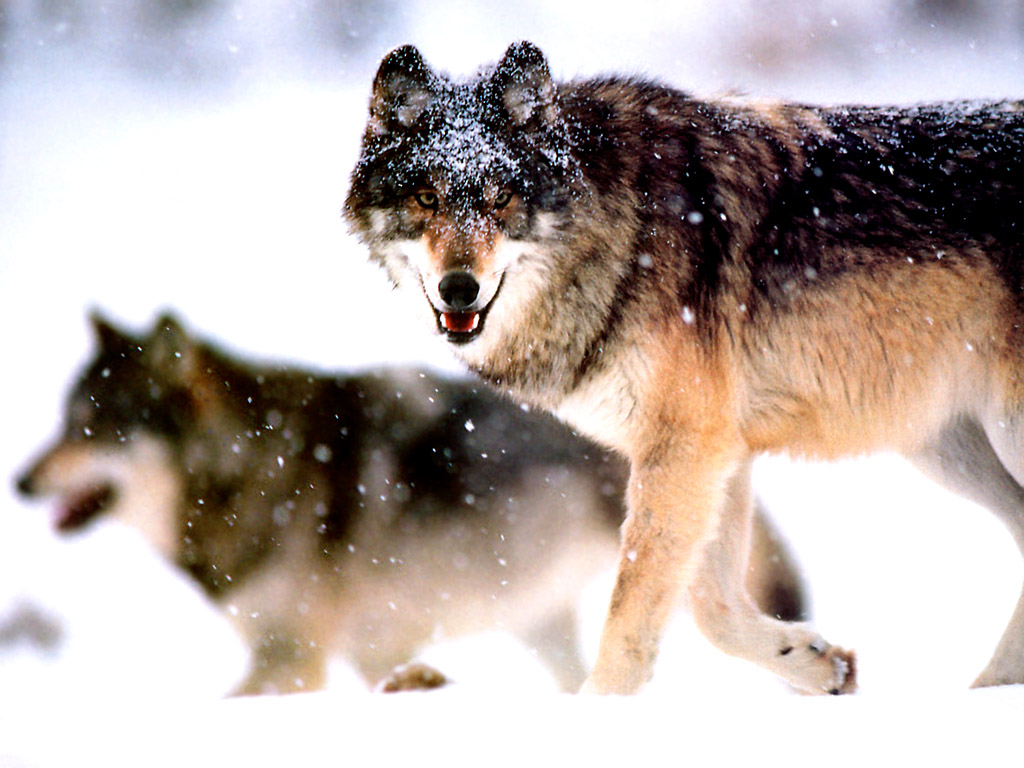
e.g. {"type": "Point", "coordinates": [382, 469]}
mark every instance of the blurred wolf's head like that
{"type": "Point", "coordinates": [122, 419]}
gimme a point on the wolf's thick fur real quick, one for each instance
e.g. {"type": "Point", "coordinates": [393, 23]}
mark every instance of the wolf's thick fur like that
{"type": "Point", "coordinates": [360, 515]}
{"type": "Point", "coordinates": [694, 283]}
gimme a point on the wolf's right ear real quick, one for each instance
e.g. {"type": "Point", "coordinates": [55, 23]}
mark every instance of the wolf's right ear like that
{"type": "Point", "coordinates": [170, 348]}
{"type": "Point", "coordinates": [169, 341]}
{"type": "Point", "coordinates": [403, 88]}
{"type": "Point", "coordinates": [168, 326]}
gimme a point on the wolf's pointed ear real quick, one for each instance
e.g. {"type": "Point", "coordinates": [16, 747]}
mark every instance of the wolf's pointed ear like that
{"type": "Point", "coordinates": [107, 334]}
{"type": "Point", "coordinates": [170, 344]}
{"type": "Point", "coordinates": [524, 84]}
{"type": "Point", "coordinates": [403, 88]}
{"type": "Point", "coordinates": [169, 324]}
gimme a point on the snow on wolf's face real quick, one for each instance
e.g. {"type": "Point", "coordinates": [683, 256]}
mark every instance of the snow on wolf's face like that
{"type": "Point", "coordinates": [458, 181]}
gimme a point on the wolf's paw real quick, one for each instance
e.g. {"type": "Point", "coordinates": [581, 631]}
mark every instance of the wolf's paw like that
{"type": "Point", "coordinates": [819, 668]}
{"type": "Point", "coordinates": [414, 676]}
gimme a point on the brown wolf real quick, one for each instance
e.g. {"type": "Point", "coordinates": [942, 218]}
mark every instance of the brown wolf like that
{"type": "Point", "coordinates": [362, 515]}
{"type": "Point", "coordinates": [694, 283]}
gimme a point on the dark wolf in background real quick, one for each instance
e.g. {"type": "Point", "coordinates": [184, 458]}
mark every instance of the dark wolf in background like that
{"type": "Point", "coordinates": [694, 283]}
{"type": "Point", "coordinates": [361, 515]}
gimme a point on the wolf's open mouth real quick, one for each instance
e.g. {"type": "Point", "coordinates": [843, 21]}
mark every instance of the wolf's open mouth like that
{"type": "Point", "coordinates": [460, 322]}
{"type": "Point", "coordinates": [462, 327]}
{"type": "Point", "coordinates": [78, 509]}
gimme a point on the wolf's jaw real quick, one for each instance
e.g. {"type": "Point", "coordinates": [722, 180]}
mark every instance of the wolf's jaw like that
{"type": "Point", "coordinates": [75, 510]}
{"type": "Point", "coordinates": [137, 482]}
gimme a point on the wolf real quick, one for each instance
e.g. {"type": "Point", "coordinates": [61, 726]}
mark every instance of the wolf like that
{"type": "Point", "coordinates": [694, 283]}
{"type": "Point", "coordinates": [359, 515]}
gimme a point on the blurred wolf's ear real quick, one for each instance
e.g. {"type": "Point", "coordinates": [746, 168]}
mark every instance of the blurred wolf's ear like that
{"type": "Point", "coordinates": [524, 85]}
{"type": "Point", "coordinates": [170, 344]}
{"type": "Point", "coordinates": [403, 88]}
{"type": "Point", "coordinates": [107, 334]}
{"type": "Point", "coordinates": [169, 325]}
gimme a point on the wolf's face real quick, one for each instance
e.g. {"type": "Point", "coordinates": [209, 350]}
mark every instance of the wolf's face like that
{"type": "Point", "coordinates": [121, 423]}
{"type": "Point", "coordinates": [461, 188]}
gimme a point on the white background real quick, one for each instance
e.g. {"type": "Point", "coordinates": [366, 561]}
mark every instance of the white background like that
{"type": "Point", "coordinates": [205, 170]}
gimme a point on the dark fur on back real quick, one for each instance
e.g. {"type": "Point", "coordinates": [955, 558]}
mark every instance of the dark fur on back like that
{"type": "Point", "coordinates": [948, 177]}
{"type": "Point", "coordinates": [256, 441]}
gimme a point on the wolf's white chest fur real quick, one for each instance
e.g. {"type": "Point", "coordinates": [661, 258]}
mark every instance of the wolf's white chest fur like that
{"type": "Point", "coordinates": [602, 406]}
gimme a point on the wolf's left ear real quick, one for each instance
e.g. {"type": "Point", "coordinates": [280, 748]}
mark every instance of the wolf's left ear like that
{"type": "Point", "coordinates": [403, 88]}
{"type": "Point", "coordinates": [108, 335]}
{"type": "Point", "coordinates": [524, 84]}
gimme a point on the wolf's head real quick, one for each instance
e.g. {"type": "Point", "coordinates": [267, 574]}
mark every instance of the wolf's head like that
{"type": "Point", "coordinates": [463, 186]}
{"type": "Point", "coordinates": [121, 422]}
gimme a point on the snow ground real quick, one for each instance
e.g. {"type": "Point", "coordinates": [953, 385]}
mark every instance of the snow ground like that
{"type": "Point", "coordinates": [222, 201]}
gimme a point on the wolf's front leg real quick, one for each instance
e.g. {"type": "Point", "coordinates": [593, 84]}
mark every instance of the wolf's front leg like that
{"type": "Point", "coordinates": [674, 501]}
{"type": "Point", "coordinates": [283, 663]}
{"type": "Point", "coordinates": [731, 621]}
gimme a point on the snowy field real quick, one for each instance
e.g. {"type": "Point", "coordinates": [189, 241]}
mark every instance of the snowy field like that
{"type": "Point", "coordinates": [217, 193]}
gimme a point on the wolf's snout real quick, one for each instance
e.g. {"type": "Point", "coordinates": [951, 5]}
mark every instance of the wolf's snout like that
{"type": "Point", "coordinates": [458, 290]}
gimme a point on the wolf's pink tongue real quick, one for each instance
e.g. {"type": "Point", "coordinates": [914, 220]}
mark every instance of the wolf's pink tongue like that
{"type": "Point", "coordinates": [77, 510]}
{"type": "Point", "coordinates": [460, 322]}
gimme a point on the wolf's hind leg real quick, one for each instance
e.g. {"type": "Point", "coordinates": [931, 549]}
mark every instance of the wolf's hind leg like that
{"type": "Point", "coordinates": [556, 642]}
{"type": "Point", "coordinates": [965, 459]}
{"type": "Point", "coordinates": [730, 619]}
{"type": "Point", "coordinates": [1006, 667]}
{"type": "Point", "coordinates": [773, 580]}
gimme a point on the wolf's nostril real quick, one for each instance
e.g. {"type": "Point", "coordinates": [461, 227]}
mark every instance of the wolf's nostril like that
{"type": "Point", "coordinates": [458, 290]}
{"type": "Point", "coordinates": [25, 485]}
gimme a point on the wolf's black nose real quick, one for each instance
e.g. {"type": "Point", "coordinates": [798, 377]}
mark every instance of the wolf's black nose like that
{"type": "Point", "coordinates": [458, 290]}
{"type": "Point", "coordinates": [25, 485]}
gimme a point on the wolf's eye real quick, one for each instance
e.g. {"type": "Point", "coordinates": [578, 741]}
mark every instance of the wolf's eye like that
{"type": "Point", "coordinates": [426, 200]}
{"type": "Point", "coordinates": [503, 199]}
